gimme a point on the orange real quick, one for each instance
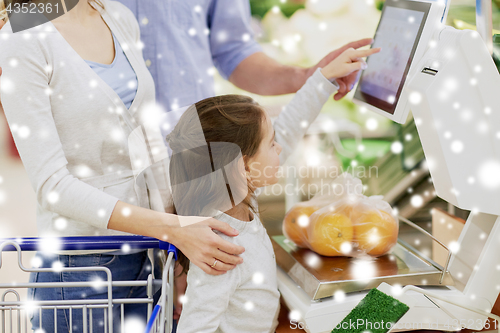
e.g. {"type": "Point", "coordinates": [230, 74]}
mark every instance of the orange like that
{"type": "Point", "coordinates": [296, 222]}
{"type": "Point", "coordinates": [375, 231]}
{"type": "Point", "coordinates": [330, 234]}
{"type": "Point", "coordinates": [346, 209]}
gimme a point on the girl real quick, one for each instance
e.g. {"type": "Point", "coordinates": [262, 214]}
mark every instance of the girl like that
{"type": "Point", "coordinates": [224, 149]}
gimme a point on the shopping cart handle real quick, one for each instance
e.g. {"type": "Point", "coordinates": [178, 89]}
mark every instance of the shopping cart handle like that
{"type": "Point", "coordinates": [169, 248]}
{"type": "Point", "coordinates": [124, 243]}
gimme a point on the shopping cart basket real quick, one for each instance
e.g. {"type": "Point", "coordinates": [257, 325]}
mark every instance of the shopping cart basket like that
{"type": "Point", "coordinates": [14, 314]}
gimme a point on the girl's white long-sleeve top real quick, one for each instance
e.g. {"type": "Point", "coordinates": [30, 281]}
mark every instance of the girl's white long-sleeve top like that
{"type": "Point", "coordinates": [246, 298]}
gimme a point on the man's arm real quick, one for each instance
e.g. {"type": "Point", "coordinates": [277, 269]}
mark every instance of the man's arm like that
{"type": "Point", "coordinates": [240, 59]}
{"type": "Point", "coordinates": [260, 74]}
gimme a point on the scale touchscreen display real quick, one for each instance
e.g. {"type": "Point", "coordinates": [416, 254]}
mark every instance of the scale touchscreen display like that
{"type": "Point", "coordinates": [398, 34]}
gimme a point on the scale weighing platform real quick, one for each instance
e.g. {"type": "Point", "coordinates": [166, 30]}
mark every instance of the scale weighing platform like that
{"type": "Point", "coordinates": [404, 265]}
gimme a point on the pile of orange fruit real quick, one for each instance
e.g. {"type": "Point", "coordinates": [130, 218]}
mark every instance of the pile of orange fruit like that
{"type": "Point", "coordinates": [336, 232]}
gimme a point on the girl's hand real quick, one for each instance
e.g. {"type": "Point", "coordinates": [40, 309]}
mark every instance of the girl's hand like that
{"type": "Point", "coordinates": [348, 62]}
{"type": "Point", "coordinates": [345, 83]}
{"type": "Point", "coordinates": [202, 246]}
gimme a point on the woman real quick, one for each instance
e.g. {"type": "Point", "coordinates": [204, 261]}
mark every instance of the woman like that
{"type": "Point", "coordinates": [64, 98]}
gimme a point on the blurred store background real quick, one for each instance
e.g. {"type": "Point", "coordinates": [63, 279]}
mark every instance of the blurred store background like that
{"type": "Point", "coordinates": [387, 157]}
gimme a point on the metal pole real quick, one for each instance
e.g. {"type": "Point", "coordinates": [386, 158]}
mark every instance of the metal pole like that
{"type": "Point", "coordinates": [484, 22]}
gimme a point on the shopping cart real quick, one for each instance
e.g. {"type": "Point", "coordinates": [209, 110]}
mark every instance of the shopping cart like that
{"type": "Point", "coordinates": [14, 315]}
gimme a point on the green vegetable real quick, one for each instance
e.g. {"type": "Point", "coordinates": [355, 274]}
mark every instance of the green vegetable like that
{"type": "Point", "coordinates": [261, 7]}
{"type": "Point", "coordinates": [376, 313]}
{"type": "Point", "coordinates": [496, 51]}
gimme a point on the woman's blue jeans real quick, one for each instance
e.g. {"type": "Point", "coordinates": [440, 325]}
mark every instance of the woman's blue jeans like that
{"type": "Point", "coordinates": [129, 267]}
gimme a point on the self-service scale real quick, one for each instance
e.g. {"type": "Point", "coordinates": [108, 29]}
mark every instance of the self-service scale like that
{"type": "Point", "coordinates": [449, 82]}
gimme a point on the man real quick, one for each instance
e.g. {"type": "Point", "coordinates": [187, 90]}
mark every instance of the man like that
{"type": "Point", "coordinates": [184, 40]}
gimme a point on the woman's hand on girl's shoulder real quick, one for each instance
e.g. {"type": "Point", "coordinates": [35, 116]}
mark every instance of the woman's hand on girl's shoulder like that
{"type": "Point", "coordinates": [204, 248]}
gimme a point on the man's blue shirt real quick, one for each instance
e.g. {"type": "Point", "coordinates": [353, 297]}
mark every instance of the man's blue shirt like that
{"type": "Point", "coordinates": [185, 39]}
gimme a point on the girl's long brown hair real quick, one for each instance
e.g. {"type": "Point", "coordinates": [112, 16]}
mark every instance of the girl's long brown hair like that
{"type": "Point", "coordinates": [233, 119]}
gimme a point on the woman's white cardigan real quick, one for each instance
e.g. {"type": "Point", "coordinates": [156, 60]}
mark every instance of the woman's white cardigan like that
{"type": "Point", "coordinates": [73, 131]}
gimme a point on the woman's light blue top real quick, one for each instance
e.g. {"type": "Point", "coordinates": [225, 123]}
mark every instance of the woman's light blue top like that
{"type": "Point", "coordinates": [119, 75]}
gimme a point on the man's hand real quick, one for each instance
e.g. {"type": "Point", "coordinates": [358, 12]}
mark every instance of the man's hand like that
{"type": "Point", "coordinates": [2, 23]}
{"type": "Point", "coordinates": [346, 83]}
